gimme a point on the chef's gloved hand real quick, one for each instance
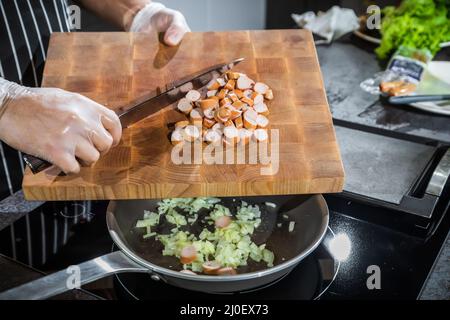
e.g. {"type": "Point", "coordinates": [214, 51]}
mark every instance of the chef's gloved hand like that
{"type": "Point", "coordinates": [156, 17]}
{"type": "Point", "coordinates": [56, 125]}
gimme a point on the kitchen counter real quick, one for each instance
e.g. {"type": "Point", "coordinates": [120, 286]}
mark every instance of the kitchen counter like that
{"type": "Point", "coordinates": [351, 104]}
{"type": "Point", "coordinates": [347, 103]}
{"type": "Point", "coordinates": [437, 285]}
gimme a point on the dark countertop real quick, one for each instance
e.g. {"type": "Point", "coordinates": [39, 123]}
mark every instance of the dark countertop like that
{"type": "Point", "coordinates": [14, 207]}
{"type": "Point", "coordinates": [349, 103]}
{"type": "Point", "coordinates": [437, 285]}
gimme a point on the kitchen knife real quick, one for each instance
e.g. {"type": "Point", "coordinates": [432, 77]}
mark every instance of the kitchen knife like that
{"type": "Point", "coordinates": [152, 103]}
{"type": "Point", "coordinates": [418, 98]}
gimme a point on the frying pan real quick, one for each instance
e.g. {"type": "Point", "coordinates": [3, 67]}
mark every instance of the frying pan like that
{"type": "Point", "coordinates": [309, 212]}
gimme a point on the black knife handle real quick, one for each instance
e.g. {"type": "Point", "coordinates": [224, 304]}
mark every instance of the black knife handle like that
{"type": "Point", "coordinates": [35, 164]}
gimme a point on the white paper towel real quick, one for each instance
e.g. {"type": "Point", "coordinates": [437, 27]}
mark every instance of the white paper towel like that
{"type": "Point", "coordinates": [330, 25]}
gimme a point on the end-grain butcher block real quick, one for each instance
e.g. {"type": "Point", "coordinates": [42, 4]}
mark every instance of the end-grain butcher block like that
{"type": "Point", "coordinates": [282, 92]}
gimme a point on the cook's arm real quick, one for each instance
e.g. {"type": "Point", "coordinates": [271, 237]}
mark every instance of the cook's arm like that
{"type": "Point", "coordinates": [119, 12]}
{"type": "Point", "coordinates": [141, 16]}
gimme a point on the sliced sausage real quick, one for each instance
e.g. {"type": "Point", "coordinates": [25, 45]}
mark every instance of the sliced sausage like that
{"type": "Point", "coordinates": [184, 105]}
{"type": "Point", "coordinates": [247, 101]}
{"type": "Point", "coordinates": [218, 127]}
{"type": "Point", "coordinates": [233, 96]}
{"type": "Point", "coordinates": [257, 98]}
{"type": "Point", "coordinates": [193, 95]}
{"type": "Point", "coordinates": [191, 133]}
{"type": "Point", "coordinates": [261, 88]}
{"type": "Point", "coordinates": [232, 75]}
{"type": "Point", "coordinates": [231, 134]}
{"type": "Point", "coordinates": [248, 93]}
{"type": "Point", "coordinates": [196, 116]}
{"type": "Point", "coordinates": [226, 271]}
{"type": "Point", "coordinates": [208, 103]}
{"type": "Point", "coordinates": [208, 123]}
{"type": "Point", "coordinates": [188, 254]}
{"type": "Point", "coordinates": [211, 267]}
{"type": "Point", "coordinates": [177, 137]}
{"type": "Point", "coordinates": [262, 122]}
{"type": "Point", "coordinates": [225, 101]}
{"type": "Point", "coordinates": [211, 93]}
{"type": "Point", "coordinates": [222, 114]}
{"type": "Point", "coordinates": [245, 135]}
{"type": "Point", "coordinates": [239, 123]}
{"type": "Point", "coordinates": [222, 94]}
{"type": "Point", "coordinates": [222, 222]}
{"type": "Point", "coordinates": [188, 272]}
{"type": "Point", "coordinates": [209, 113]}
{"type": "Point", "coordinates": [269, 94]}
{"type": "Point", "coordinates": [221, 82]}
{"type": "Point", "coordinates": [234, 112]}
{"type": "Point", "coordinates": [261, 108]}
{"type": "Point", "coordinates": [239, 93]}
{"type": "Point", "coordinates": [260, 135]}
{"type": "Point", "coordinates": [181, 124]}
{"type": "Point", "coordinates": [230, 84]}
{"type": "Point", "coordinates": [244, 83]}
{"type": "Point", "coordinates": [250, 117]}
{"type": "Point", "coordinates": [214, 85]}
{"type": "Point", "coordinates": [238, 104]}
{"type": "Point", "coordinates": [228, 123]}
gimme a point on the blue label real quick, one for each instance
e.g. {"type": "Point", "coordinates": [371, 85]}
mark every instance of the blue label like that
{"type": "Point", "coordinates": [407, 67]}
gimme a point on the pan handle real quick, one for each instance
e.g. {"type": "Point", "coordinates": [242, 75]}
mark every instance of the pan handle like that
{"type": "Point", "coordinates": [56, 283]}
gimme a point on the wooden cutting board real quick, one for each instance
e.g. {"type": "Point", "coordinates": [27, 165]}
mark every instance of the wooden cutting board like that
{"type": "Point", "coordinates": [116, 68]}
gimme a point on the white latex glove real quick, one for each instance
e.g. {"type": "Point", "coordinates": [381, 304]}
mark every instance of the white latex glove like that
{"type": "Point", "coordinates": [56, 125]}
{"type": "Point", "coordinates": [156, 17]}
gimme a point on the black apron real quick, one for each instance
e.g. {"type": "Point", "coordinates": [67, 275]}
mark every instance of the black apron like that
{"type": "Point", "coordinates": [25, 29]}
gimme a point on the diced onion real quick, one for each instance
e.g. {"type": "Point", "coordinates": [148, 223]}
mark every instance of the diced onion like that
{"type": "Point", "coordinates": [229, 246]}
{"type": "Point", "coordinates": [291, 226]}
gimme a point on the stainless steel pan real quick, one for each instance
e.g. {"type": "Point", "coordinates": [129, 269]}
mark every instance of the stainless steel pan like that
{"type": "Point", "coordinates": [310, 214]}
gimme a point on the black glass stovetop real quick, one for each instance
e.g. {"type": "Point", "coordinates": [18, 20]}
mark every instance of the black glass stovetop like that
{"type": "Point", "coordinates": [343, 266]}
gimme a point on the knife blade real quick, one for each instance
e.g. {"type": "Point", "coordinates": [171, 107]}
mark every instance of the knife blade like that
{"type": "Point", "coordinates": [153, 102]}
{"type": "Point", "coordinates": [175, 91]}
{"type": "Point", "coordinates": [418, 98]}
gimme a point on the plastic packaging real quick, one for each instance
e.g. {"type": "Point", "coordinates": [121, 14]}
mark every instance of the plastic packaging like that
{"type": "Point", "coordinates": [330, 25]}
{"type": "Point", "coordinates": [402, 75]}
